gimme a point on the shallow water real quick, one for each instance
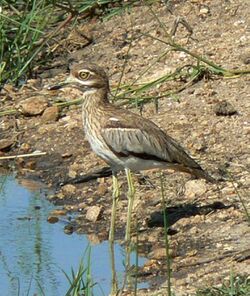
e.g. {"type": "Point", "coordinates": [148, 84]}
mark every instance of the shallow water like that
{"type": "Point", "coordinates": [34, 253]}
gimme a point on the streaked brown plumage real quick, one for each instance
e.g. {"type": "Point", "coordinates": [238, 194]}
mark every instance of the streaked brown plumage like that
{"type": "Point", "coordinates": [127, 139]}
{"type": "Point", "coordinates": [124, 139]}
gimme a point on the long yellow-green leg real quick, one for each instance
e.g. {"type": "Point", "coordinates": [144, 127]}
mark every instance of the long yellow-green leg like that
{"type": "Point", "coordinates": [131, 195]}
{"type": "Point", "coordinates": [115, 197]}
{"type": "Point", "coordinates": [114, 281]}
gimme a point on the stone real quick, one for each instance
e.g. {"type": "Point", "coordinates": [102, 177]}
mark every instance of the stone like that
{"type": "Point", "coordinates": [72, 174]}
{"type": "Point", "coordinates": [159, 253]}
{"type": "Point", "coordinates": [68, 229]}
{"type": "Point", "coordinates": [33, 106]}
{"type": "Point", "coordinates": [72, 208]}
{"type": "Point", "coordinates": [204, 11]}
{"type": "Point", "coordinates": [102, 189]}
{"type": "Point", "coordinates": [58, 212]}
{"type": "Point", "coordinates": [194, 188]}
{"type": "Point", "coordinates": [224, 108]}
{"type": "Point", "coordinates": [52, 219]}
{"type": "Point", "coordinates": [30, 164]}
{"type": "Point", "coordinates": [200, 145]}
{"type": "Point", "coordinates": [94, 239]}
{"type": "Point", "coordinates": [81, 206]}
{"type": "Point", "coordinates": [25, 147]}
{"type": "Point", "coordinates": [67, 155]}
{"type": "Point", "coordinates": [69, 189]}
{"type": "Point", "coordinates": [59, 195]}
{"type": "Point", "coordinates": [5, 144]}
{"type": "Point", "coordinates": [30, 184]}
{"type": "Point", "coordinates": [246, 58]}
{"type": "Point", "coordinates": [94, 213]}
{"type": "Point", "coordinates": [50, 114]}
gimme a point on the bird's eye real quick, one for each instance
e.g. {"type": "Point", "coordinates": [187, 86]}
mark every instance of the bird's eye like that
{"type": "Point", "coordinates": [83, 75]}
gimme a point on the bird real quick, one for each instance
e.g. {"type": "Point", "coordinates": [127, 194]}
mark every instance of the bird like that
{"type": "Point", "coordinates": [123, 139]}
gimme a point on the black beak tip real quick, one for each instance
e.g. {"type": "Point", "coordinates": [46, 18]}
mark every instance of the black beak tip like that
{"type": "Point", "coordinates": [55, 87]}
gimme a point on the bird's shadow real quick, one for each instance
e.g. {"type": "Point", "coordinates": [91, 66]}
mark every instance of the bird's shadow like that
{"type": "Point", "coordinates": [175, 213]}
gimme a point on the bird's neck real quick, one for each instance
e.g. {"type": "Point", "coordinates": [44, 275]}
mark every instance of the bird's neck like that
{"type": "Point", "coordinates": [95, 97]}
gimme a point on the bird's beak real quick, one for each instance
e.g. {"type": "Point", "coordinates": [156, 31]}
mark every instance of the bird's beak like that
{"type": "Point", "coordinates": [63, 84]}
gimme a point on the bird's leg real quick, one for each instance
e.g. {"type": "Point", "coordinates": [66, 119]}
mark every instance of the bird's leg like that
{"type": "Point", "coordinates": [131, 195]}
{"type": "Point", "coordinates": [115, 197]}
{"type": "Point", "coordinates": [114, 281]}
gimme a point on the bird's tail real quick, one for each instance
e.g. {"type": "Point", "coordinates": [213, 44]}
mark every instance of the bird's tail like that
{"type": "Point", "coordinates": [196, 172]}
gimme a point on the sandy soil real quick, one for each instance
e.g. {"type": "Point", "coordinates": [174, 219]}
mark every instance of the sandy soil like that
{"type": "Point", "coordinates": [209, 231]}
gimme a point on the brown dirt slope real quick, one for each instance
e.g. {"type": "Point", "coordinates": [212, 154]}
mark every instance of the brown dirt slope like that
{"type": "Point", "coordinates": [208, 242]}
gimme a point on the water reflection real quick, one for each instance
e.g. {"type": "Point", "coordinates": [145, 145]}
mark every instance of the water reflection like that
{"type": "Point", "coordinates": [33, 253]}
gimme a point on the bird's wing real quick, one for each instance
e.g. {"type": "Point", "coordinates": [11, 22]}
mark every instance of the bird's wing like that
{"type": "Point", "coordinates": [142, 138]}
{"type": "Point", "coordinates": [130, 134]}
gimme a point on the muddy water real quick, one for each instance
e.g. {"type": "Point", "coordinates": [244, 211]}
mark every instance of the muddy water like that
{"type": "Point", "coordinates": [33, 252]}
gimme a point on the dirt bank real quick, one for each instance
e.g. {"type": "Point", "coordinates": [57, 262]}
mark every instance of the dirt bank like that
{"type": "Point", "coordinates": [209, 233]}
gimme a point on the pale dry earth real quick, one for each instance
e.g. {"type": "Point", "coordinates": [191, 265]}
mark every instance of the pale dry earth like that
{"type": "Point", "coordinates": [205, 246]}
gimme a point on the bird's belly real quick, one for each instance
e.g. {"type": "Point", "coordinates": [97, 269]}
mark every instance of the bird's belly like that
{"type": "Point", "coordinates": [103, 151]}
{"type": "Point", "coordinates": [137, 164]}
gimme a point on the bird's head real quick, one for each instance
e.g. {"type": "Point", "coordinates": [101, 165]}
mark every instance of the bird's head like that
{"type": "Point", "coordinates": [85, 76]}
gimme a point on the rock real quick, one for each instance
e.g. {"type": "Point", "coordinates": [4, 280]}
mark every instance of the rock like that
{"type": "Point", "coordinates": [33, 106]}
{"type": "Point", "coordinates": [93, 213]}
{"type": "Point", "coordinates": [160, 253]}
{"type": "Point", "coordinates": [67, 155]}
{"type": "Point", "coordinates": [5, 144]}
{"type": "Point", "coordinates": [151, 264]}
{"type": "Point", "coordinates": [69, 189]}
{"type": "Point", "coordinates": [204, 11]}
{"type": "Point", "coordinates": [25, 147]}
{"type": "Point", "coordinates": [59, 195]}
{"type": "Point", "coordinates": [52, 219]}
{"type": "Point", "coordinates": [43, 130]}
{"type": "Point", "coordinates": [102, 189]}
{"type": "Point", "coordinates": [30, 164]}
{"type": "Point", "coordinates": [68, 229]}
{"type": "Point", "coordinates": [58, 212]}
{"type": "Point", "coordinates": [34, 83]}
{"type": "Point", "coordinates": [81, 206]}
{"type": "Point", "coordinates": [72, 174]}
{"type": "Point", "coordinates": [8, 88]}
{"type": "Point", "coordinates": [224, 108]}
{"type": "Point", "coordinates": [200, 145]}
{"type": "Point", "coordinates": [195, 188]}
{"type": "Point", "coordinates": [246, 58]}
{"type": "Point", "coordinates": [94, 239]}
{"type": "Point", "coordinates": [30, 184]}
{"type": "Point", "coordinates": [192, 253]}
{"type": "Point", "coordinates": [50, 114]}
{"type": "Point", "coordinates": [72, 208]}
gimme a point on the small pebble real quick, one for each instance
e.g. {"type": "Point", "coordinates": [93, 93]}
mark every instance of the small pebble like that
{"type": "Point", "coordinates": [93, 213]}
{"type": "Point", "coordinates": [52, 219]}
{"type": "Point", "coordinates": [224, 108]}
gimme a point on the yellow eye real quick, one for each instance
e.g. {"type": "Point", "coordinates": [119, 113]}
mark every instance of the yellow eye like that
{"type": "Point", "coordinates": [83, 75]}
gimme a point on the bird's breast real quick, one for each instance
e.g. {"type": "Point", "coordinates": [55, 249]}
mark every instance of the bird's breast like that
{"type": "Point", "coordinates": [98, 145]}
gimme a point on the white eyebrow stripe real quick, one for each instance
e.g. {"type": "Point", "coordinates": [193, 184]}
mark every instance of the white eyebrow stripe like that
{"type": "Point", "coordinates": [113, 119]}
{"type": "Point", "coordinates": [86, 71]}
{"type": "Point", "coordinates": [91, 73]}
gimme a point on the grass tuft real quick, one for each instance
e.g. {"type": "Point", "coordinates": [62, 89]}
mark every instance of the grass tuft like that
{"type": "Point", "coordinates": [235, 286]}
{"type": "Point", "coordinates": [22, 25]}
{"type": "Point", "coordinates": [26, 27]}
{"type": "Point", "coordinates": [80, 281]}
